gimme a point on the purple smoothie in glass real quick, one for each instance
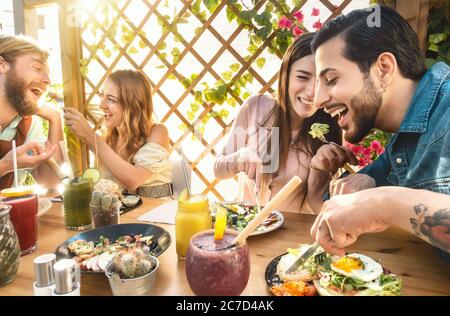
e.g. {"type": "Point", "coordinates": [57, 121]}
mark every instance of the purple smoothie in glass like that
{"type": "Point", "coordinates": [214, 271]}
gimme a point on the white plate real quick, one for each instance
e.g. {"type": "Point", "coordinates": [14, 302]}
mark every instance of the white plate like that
{"type": "Point", "coordinates": [268, 229]}
{"type": "Point", "coordinates": [44, 204]}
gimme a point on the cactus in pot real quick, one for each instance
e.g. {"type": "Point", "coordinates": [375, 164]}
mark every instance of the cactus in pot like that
{"type": "Point", "coordinates": [132, 263]}
{"type": "Point", "coordinates": [105, 206]}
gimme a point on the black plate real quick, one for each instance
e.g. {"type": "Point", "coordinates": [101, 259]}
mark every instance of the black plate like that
{"type": "Point", "coordinates": [271, 275]}
{"type": "Point", "coordinates": [125, 209]}
{"type": "Point", "coordinates": [113, 232]}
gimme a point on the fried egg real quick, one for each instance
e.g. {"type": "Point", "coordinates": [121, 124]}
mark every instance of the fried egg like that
{"type": "Point", "coordinates": [357, 266]}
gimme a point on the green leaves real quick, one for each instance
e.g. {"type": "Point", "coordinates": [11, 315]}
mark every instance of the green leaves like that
{"type": "Point", "coordinates": [235, 67]}
{"type": "Point", "coordinates": [176, 54]}
{"type": "Point", "coordinates": [263, 19]}
{"type": "Point", "coordinates": [260, 62]}
{"type": "Point", "coordinates": [436, 38]}
{"type": "Point", "coordinates": [211, 5]}
{"type": "Point", "coordinates": [227, 75]}
{"type": "Point", "coordinates": [264, 32]}
{"type": "Point", "coordinates": [246, 16]}
{"type": "Point", "coordinates": [107, 52]}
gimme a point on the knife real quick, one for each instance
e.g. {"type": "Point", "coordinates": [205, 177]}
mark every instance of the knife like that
{"type": "Point", "coordinates": [302, 259]}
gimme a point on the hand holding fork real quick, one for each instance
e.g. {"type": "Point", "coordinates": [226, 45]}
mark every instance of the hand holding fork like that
{"type": "Point", "coordinates": [331, 158]}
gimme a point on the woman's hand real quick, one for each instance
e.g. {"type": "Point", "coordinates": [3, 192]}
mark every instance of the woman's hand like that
{"type": "Point", "coordinates": [345, 217]}
{"type": "Point", "coordinates": [79, 125]}
{"type": "Point", "coordinates": [251, 164]}
{"type": "Point", "coordinates": [329, 158]}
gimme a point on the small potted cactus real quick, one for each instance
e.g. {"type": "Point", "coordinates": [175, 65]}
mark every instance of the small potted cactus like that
{"type": "Point", "coordinates": [105, 204]}
{"type": "Point", "coordinates": [132, 272]}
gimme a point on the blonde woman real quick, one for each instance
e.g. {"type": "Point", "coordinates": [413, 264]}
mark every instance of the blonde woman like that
{"type": "Point", "coordinates": [134, 152]}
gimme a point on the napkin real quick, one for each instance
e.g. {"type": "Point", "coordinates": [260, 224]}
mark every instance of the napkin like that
{"type": "Point", "coordinates": [164, 213]}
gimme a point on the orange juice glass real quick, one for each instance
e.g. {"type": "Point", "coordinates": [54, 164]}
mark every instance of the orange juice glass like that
{"type": "Point", "coordinates": [193, 215]}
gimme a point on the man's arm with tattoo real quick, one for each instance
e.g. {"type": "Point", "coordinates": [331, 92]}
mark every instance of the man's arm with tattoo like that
{"type": "Point", "coordinates": [421, 212]}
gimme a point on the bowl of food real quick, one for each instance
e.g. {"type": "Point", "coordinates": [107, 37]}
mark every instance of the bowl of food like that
{"type": "Point", "coordinates": [130, 200]}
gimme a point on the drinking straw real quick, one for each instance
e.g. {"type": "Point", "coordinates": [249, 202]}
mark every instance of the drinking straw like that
{"type": "Point", "coordinates": [96, 153]}
{"type": "Point", "coordinates": [63, 146]}
{"type": "Point", "coordinates": [261, 216]}
{"type": "Point", "coordinates": [185, 173]}
{"type": "Point", "coordinates": [252, 190]}
{"type": "Point", "coordinates": [15, 163]}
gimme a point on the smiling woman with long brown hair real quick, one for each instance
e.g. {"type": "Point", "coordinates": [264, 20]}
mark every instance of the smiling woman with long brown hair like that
{"type": "Point", "coordinates": [269, 140]}
{"type": "Point", "coordinates": [135, 150]}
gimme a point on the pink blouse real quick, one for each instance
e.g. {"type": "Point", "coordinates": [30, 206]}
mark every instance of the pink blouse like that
{"type": "Point", "coordinates": [253, 115]}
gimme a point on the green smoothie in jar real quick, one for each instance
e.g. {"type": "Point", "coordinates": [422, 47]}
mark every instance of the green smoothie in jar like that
{"type": "Point", "coordinates": [77, 199]}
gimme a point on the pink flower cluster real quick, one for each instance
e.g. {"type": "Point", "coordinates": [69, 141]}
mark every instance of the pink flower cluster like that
{"type": "Point", "coordinates": [286, 24]}
{"type": "Point", "coordinates": [366, 155]}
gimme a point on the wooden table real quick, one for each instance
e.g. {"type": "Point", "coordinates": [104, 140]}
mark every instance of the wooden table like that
{"type": "Point", "coordinates": [422, 270]}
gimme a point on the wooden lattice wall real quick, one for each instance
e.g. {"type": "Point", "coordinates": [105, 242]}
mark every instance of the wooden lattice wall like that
{"type": "Point", "coordinates": [107, 53]}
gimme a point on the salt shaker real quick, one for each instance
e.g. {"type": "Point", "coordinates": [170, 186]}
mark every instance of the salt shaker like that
{"type": "Point", "coordinates": [67, 278]}
{"type": "Point", "coordinates": [44, 275]}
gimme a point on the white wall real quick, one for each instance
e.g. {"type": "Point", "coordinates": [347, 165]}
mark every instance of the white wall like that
{"type": "Point", "coordinates": [6, 17]}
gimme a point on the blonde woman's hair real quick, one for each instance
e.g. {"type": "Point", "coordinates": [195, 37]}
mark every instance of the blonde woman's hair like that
{"type": "Point", "coordinates": [12, 47]}
{"type": "Point", "coordinates": [134, 97]}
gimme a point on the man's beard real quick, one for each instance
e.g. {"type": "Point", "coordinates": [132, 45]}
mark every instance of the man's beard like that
{"type": "Point", "coordinates": [15, 89]}
{"type": "Point", "coordinates": [365, 107]}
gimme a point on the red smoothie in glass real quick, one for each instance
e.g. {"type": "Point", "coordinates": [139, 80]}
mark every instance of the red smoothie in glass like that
{"type": "Point", "coordinates": [213, 270]}
{"type": "Point", "coordinates": [23, 215]}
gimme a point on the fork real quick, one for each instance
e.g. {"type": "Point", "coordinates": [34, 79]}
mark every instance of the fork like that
{"type": "Point", "coordinates": [346, 166]}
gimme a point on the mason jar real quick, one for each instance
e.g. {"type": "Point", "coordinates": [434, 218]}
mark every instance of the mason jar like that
{"type": "Point", "coordinates": [9, 247]}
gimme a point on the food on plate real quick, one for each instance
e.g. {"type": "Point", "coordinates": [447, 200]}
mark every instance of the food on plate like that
{"type": "Point", "coordinates": [357, 275]}
{"type": "Point", "coordinates": [95, 256]}
{"type": "Point", "coordinates": [239, 215]}
{"type": "Point", "coordinates": [352, 275]}
{"type": "Point", "coordinates": [309, 270]}
{"type": "Point", "coordinates": [319, 130]}
{"type": "Point", "coordinates": [294, 288]}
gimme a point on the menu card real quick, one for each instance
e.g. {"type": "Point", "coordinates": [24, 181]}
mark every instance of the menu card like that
{"type": "Point", "coordinates": [164, 213]}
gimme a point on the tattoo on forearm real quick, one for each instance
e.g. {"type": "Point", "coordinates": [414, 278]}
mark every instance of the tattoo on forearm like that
{"type": "Point", "coordinates": [436, 226]}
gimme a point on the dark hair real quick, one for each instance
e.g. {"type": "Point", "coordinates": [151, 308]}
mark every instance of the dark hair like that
{"type": "Point", "coordinates": [281, 116]}
{"type": "Point", "coordinates": [363, 43]}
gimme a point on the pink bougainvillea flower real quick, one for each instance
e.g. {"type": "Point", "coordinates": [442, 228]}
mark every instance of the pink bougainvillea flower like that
{"type": "Point", "coordinates": [357, 150]}
{"type": "Point", "coordinates": [297, 31]}
{"type": "Point", "coordinates": [375, 145]}
{"type": "Point", "coordinates": [380, 151]}
{"type": "Point", "coordinates": [364, 162]}
{"type": "Point", "coordinates": [299, 16]}
{"type": "Point", "coordinates": [284, 23]}
{"type": "Point", "coordinates": [317, 25]}
{"type": "Point", "coordinates": [315, 12]}
{"type": "Point", "coordinates": [367, 152]}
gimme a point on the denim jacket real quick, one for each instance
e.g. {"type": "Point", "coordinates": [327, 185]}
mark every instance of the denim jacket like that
{"type": "Point", "coordinates": [418, 155]}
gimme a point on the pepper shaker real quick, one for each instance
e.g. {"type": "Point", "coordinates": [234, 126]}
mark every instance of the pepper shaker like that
{"type": "Point", "coordinates": [67, 278]}
{"type": "Point", "coordinates": [44, 275]}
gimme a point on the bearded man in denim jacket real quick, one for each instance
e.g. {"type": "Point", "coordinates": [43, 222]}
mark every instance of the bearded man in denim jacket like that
{"type": "Point", "coordinates": [374, 76]}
